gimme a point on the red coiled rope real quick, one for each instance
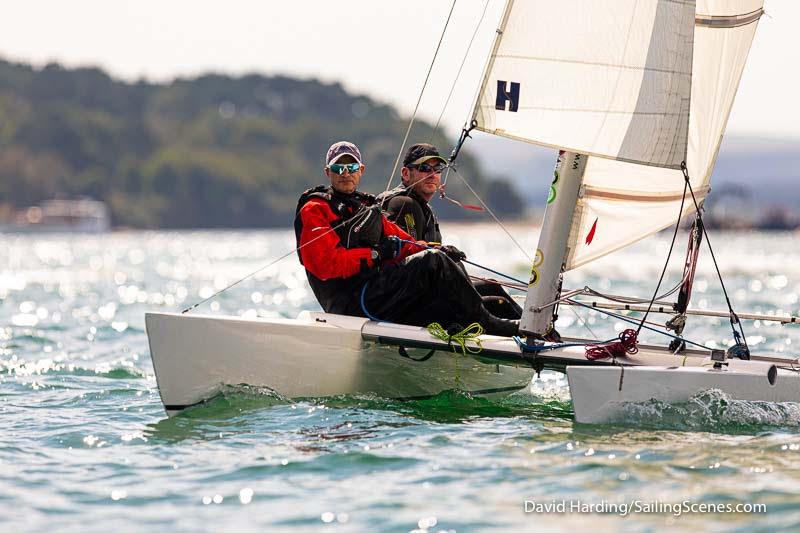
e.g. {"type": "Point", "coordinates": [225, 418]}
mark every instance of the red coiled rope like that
{"type": "Point", "coordinates": [625, 345]}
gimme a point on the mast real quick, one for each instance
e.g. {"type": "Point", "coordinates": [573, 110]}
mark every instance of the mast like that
{"type": "Point", "coordinates": [627, 83]}
{"type": "Point", "coordinates": [551, 253]}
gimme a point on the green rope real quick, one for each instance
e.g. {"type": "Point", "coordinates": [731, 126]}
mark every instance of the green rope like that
{"type": "Point", "coordinates": [470, 333]}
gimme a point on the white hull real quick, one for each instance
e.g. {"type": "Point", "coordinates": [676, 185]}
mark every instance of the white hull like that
{"type": "Point", "coordinates": [320, 355]}
{"type": "Point", "coordinates": [600, 394]}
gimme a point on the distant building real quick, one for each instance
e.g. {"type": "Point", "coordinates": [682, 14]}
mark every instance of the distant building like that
{"type": "Point", "coordinates": [61, 216]}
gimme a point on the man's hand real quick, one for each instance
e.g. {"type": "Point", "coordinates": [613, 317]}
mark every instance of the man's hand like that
{"type": "Point", "coordinates": [453, 253]}
{"type": "Point", "coordinates": [388, 248]}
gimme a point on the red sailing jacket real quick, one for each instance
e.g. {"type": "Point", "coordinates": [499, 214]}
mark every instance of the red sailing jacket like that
{"type": "Point", "coordinates": [322, 252]}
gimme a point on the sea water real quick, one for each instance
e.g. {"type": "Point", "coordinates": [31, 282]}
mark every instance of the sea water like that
{"type": "Point", "coordinates": [86, 446]}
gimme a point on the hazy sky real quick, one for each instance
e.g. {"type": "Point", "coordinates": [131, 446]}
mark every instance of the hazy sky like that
{"type": "Point", "coordinates": [375, 47]}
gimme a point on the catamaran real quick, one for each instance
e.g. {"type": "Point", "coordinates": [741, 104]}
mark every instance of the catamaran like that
{"type": "Point", "coordinates": [636, 96]}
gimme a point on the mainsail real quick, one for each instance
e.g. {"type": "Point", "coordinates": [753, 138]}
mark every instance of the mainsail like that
{"type": "Point", "coordinates": [611, 79]}
{"type": "Point", "coordinates": [644, 85]}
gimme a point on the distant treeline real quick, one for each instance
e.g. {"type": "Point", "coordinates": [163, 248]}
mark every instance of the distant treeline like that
{"type": "Point", "coordinates": [214, 151]}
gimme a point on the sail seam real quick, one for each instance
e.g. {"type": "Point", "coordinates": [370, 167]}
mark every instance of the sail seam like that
{"type": "Point", "coordinates": [608, 111]}
{"type": "Point", "coordinates": [728, 21]}
{"type": "Point", "coordinates": [502, 133]}
{"type": "Point", "coordinates": [592, 192]}
{"type": "Point", "coordinates": [636, 68]}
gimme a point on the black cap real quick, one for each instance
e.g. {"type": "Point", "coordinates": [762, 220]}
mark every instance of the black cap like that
{"type": "Point", "coordinates": [419, 153]}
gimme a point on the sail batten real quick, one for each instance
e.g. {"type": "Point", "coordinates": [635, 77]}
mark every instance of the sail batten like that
{"type": "Point", "coordinates": [728, 21]}
{"type": "Point", "coordinates": [663, 196]}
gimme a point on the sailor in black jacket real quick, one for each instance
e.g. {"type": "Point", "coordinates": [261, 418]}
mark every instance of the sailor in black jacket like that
{"type": "Point", "coordinates": [407, 206]}
{"type": "Point", "coordinates": [359, 263]}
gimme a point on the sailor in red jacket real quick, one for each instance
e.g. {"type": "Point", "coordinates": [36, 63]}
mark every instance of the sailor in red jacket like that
{"type": "Point", "coordinates": [360, 264]}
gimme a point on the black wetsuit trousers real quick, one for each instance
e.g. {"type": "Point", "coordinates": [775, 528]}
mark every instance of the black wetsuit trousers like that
{"type": "Point", "coordinates": [496, 300]}
{"type": "Point", "coordinates": [425, 287]}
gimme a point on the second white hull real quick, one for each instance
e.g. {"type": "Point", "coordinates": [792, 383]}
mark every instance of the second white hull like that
{"type": "Point", "coordinates": [601, 394]}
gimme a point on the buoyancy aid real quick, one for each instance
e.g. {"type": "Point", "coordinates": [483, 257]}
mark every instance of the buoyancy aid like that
{"type": "Point", "coordinates": [418, 219]}
{"type": "Point", "coordinates": [357, 222]}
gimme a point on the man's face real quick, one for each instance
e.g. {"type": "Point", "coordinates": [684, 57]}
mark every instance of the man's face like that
{"type": "Point", "coordinates": [345, 181]}
{"type": "Point", "coordinates": [424, 179]}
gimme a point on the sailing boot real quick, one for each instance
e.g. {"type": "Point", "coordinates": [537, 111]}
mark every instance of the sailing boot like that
{"type": "Point", "coordinates": [497, 326]}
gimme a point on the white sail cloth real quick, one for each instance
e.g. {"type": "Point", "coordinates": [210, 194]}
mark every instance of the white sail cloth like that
{"type": "Point", "coordinates": [611, 79]}
{"type": "Point", "coordinates": [643, 84]}
{"type": "Point", "coordinates": [622, 203]}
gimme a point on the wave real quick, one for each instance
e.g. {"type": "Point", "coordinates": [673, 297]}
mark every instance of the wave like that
{"type": "Point", "coordinates": [448, 406]}
{"type": "Point", "coordinates": [15, 367]}
{"type": "Point", "coordinates": [711, 410]}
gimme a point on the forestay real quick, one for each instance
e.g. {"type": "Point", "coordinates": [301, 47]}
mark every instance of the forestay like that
{"type": "Point", "coordinates": [610, 79]}
{"type": "Point", "coordinates": [622, 203]}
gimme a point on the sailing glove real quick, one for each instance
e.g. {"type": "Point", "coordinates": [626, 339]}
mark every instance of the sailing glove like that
{"type": "Point", "coordinates": [453, 253]}
{"type": "Point", "coordinates": [388, 248]}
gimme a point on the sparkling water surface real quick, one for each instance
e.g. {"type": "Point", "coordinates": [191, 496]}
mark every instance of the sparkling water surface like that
{"type": "Point", "coordinates": [86, 445]}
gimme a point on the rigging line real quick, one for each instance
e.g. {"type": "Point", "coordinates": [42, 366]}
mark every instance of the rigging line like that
{"type": "Point", "coordinates": [613, 298]}
{"type": "Point", "coordinates": [411, 184]}
{"type": "Point", "coordinates": [561, 298]}
{"type": "Point", "coordinates": [465, 134]}
{"type": "Point", "coordinates": [458, 74]}
{"type": "Point", "coordinates": [734, 317]}
{"type": "Point", "coordinates": [669, 254]}
{"type": "Point", "coordinates": [488, 210]}
{"type": "Point", "coordinates": [628, 301]}
{"type": "Point", "coordinates": [506, 284]}
{"type": "Point", "coordinates": [584, 322]}
{"type": "Point", "coordinates": [444, 178]}
{"type": "Point", "coordinates": [427, 247]}
{"type": "Point", "coordinates": [355, 219]}
{"type": "Point", "coordinates": [631, 299]}
{"type": "Point", "coordinates": [595, 306]}
{"type": "Point", "coordinates": [281, 258]}
{"type": "Point", "coordinates": [631, 321]}
{"type": "Point", "coordinates": [490, 270]}
{"type": "Point", "coordinates": [567, 299]}
{"type": "Point", "coordinates": [419, 99]}
{"type": "Point", "coordinates": [535, 348]}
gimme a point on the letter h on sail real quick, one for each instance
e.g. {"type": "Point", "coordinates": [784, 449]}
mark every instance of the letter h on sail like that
{"type": "Point", "coordinates": [505, 95]}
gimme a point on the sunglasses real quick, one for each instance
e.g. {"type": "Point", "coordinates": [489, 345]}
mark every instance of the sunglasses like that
{"type": "Point", "coordinates": [338, 168]}
{"type": "Point", "coordinates": [425, 168]}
